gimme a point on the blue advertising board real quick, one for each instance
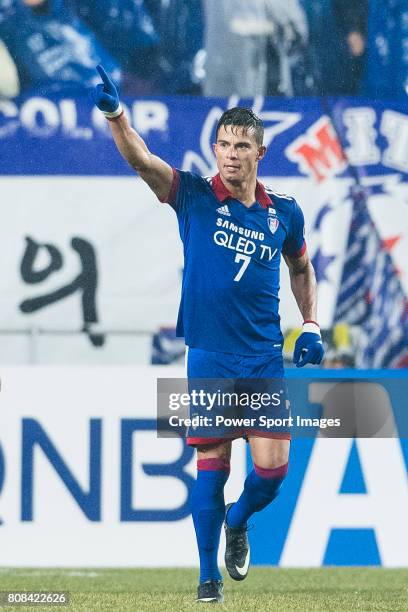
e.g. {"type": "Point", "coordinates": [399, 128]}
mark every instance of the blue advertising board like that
{"type": "Point", "coordinates": [62, 136]}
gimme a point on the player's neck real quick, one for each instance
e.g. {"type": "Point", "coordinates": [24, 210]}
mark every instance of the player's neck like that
{"type": "Point", "coordinates": [242, 191]}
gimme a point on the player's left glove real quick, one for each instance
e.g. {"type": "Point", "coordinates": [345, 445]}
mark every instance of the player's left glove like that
{"type": "Point", "coordinates": [309, 346]}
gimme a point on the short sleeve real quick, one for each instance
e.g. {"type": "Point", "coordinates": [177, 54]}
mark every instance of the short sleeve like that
{"type": "Point", "coordinates": [185, 189]}
{"type": "Point", "coordinates": [295, 245]}
{"type": "Point", "coordinates": [172, 195]}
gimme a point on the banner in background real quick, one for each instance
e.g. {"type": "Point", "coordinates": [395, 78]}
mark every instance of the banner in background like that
{"type": "Point", "coordinates": [65, 136]}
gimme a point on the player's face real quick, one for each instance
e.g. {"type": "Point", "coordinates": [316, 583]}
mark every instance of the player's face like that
{"type": "Point", "coordinates": [237, 154]}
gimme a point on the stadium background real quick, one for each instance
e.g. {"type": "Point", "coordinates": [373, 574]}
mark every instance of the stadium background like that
{"type": "Point", "coordinates": [91, 272]}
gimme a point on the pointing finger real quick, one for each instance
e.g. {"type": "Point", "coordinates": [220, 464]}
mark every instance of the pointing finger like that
{"type": "Point", "coordinates": [103, 74]}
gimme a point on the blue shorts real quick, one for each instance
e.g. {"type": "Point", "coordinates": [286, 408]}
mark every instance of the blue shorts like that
{"type": "Point", "coordinates": [209, 364]}
{"type": "Point", "coordinates": [246, 374]}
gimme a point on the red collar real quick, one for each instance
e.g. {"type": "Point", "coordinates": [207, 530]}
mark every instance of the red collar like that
{"type": "Point", "coordinates": [222, 193]}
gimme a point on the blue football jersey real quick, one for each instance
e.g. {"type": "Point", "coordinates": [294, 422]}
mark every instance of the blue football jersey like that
{"type": "Point", "coordinates": [232, 253]}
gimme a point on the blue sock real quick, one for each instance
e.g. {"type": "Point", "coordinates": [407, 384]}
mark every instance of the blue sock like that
{"type": "Point", "coordinates": [260, 488]}
{"type": "Point", "coordinates": [208, 511]}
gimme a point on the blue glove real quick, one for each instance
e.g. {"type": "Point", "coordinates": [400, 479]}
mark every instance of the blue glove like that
{"type": "Point", "coordinates": [309, 346]}
{"type": "Point", "coordinates": [106, 97]}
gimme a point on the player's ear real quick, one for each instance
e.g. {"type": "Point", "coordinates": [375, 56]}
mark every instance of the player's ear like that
{"type": "Point", "coordinates": [261, 153]}
{"type": "Point", "coordinates": [214, 146]}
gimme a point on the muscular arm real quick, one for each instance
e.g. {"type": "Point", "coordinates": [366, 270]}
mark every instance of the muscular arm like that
{"type": "Point", "coordinates": [153, 170]}
{"type": "Point", "coordinates": [303, 284]}
{"type": "Point", "coordinates": [308, 346]}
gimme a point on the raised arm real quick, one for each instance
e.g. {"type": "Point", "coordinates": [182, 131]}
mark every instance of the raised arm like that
{"type": "Point", "coordinates": [308, 347]}
{"type": "Point", "coordinates": [153, 170]}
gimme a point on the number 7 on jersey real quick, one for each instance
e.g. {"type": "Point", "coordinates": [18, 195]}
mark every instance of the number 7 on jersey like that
{"type": "Point", "coordinates": [245, 263]}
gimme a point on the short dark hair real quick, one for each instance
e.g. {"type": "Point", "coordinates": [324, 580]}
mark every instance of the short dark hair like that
{"type": "Point", "coordinates": [245, 118]}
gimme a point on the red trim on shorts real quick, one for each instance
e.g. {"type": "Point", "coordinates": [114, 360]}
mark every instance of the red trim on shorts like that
{"type": "Point", "coordinates": [208, 441]}
{"type": "Point", "coordinates": [216, 463]}
{"type": "Point", "coordinates": [271, 473]}
{"type": "Point", "coordinates": [273, 435]}
{"type": "Point", "coordinates": [171, 197]}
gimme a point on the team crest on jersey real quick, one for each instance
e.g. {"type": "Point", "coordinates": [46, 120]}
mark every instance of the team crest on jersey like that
{"type": "Point", "coordinates": [273, 221]}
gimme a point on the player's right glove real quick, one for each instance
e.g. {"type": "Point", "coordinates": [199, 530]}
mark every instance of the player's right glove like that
{"type": "Point", "coordinates": [106, 97]}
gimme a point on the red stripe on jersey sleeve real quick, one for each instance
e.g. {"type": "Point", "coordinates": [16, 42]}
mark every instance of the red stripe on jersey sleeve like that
{"type": "Point", "coordinates": [171, 197]}
{"type": "Point", "coordinates": [299, 253]}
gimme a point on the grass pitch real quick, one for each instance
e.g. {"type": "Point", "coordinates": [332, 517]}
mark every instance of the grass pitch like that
{"type": "Point", "coordinates": [156, 590]}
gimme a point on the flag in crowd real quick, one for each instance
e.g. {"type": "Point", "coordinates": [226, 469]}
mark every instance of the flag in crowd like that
{"type": "Point", "coordinates": [371, 295]}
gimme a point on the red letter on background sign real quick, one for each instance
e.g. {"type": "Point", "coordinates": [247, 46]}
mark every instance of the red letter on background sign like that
{"type": "Point", "coordinates": [319, 152]}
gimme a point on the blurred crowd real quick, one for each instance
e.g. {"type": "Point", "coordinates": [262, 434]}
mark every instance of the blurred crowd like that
{"type": "Point", "coordinates": [210, 47]}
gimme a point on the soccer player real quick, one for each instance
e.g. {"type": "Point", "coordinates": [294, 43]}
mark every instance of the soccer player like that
{"type": "Point", "coordinates": [234, 231]}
